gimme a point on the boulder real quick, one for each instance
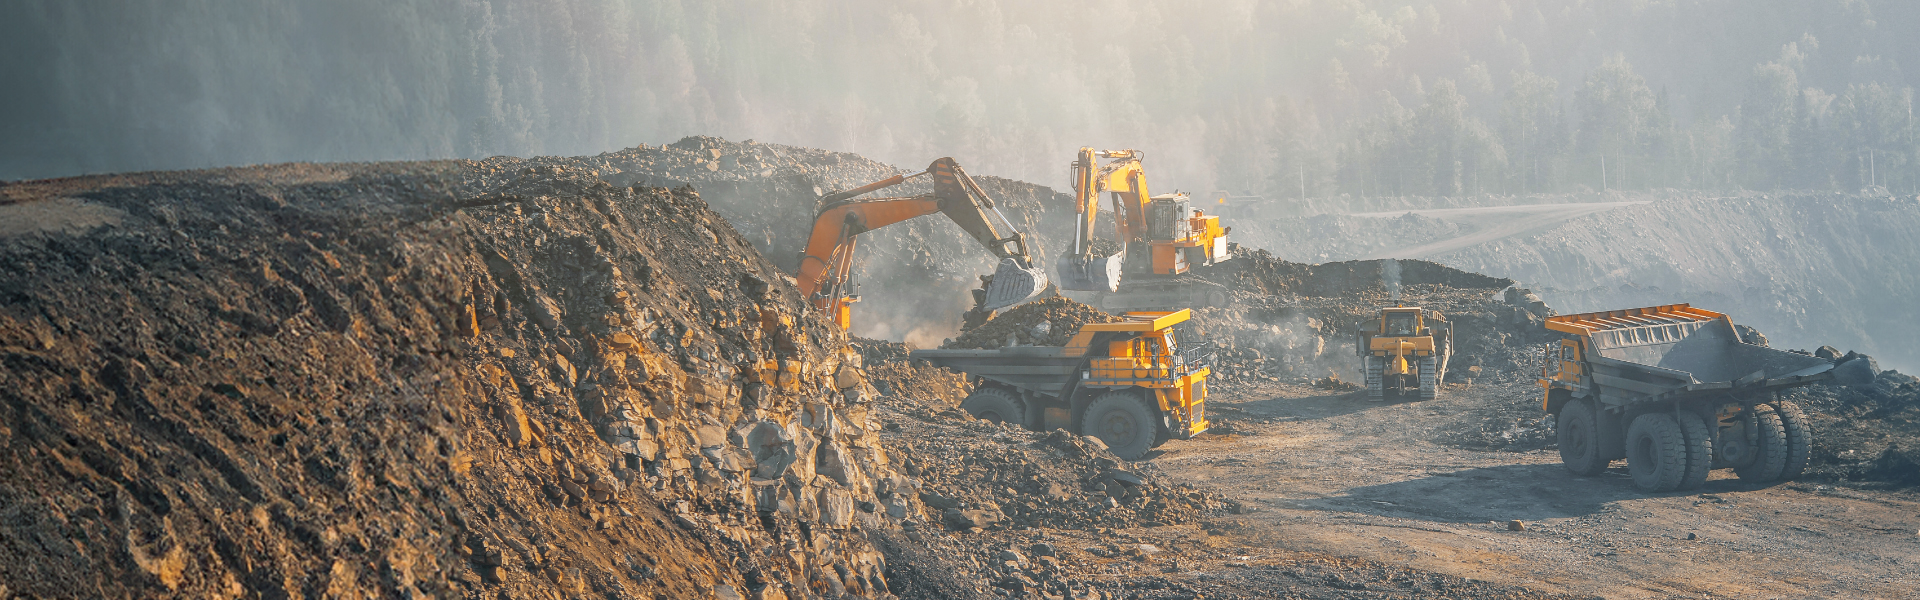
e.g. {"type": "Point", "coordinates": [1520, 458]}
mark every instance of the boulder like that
{"type": "Point", "coordinates": [1859, 370]}
{"type": "Point", "coordinates": [962, 520]}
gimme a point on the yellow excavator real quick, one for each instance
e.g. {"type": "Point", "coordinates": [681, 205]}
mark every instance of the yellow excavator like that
{"type": "Point", "coordinates": [1160, 239]}
{"type": "Point", "coordinates": [827, 263]}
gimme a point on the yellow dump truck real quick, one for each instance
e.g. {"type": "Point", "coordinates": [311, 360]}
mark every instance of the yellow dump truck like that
{"type": "Point", "coordinates": [1127, 383]}
{"type": "Point", "coordinates": [1674, 390]}
{"type": "Point", "coordinates": [1402, 350]}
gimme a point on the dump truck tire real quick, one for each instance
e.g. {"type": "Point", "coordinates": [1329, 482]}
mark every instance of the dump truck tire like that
{"type": "Point", "coordinates": [1656, 452]}
{"type": "Point", "coordinates": [995, 404]}
{"type": "Point", "coordinates": [1769, 448]}
{"type": "Point", "coordinates": [1121, 419]}
{"type": "Point", "coordinates": [1799, 437]}
{"type": "Point", "coordinates": [1579, 438]}
{"type": "Point", "coordinates": [1699, 444]}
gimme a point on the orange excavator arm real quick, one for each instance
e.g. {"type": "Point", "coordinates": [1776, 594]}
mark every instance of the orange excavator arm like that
{"type": "Point", "coordinates": [827, 262]}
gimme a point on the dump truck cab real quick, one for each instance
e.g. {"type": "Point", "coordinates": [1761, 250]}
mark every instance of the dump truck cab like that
{"type": "Point", "coordinates": [1401, 351]}
{"type": "Point", "coordinates": [1130, 383]}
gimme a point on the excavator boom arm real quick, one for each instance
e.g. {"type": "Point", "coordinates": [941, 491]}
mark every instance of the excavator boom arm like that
{"type": "Point", "coordinates": [827, 262]}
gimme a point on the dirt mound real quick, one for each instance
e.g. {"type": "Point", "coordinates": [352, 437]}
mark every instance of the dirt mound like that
{"type": "Point", "coordinates": [894, 376]}
{"type": "Point", "coordinates": [1259, 272]}
{"type": "Point", "coordinates": [914, 276]}
{"type": "Point", "coordinates": [440, 379]}
{"type": "Point", "coordinates": [1045, 322]}
{"type": "Point", "coordinates": [1867, 432]}
{"type": "Point", "coordinates": [978, 474]}
{"type": "Point", "coordinates": [1296, 322]}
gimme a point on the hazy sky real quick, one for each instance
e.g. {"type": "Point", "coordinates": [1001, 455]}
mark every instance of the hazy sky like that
{"type": "Point", "coordinates": [1209, 88]}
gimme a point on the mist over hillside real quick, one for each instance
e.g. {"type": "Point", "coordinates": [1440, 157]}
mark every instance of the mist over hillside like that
{"type": "Point", "coordinates": [1273, 99]}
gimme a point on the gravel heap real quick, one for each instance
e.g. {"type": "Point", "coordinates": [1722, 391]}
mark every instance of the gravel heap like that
{"type": "Point", "coordinates": [1045, 322]}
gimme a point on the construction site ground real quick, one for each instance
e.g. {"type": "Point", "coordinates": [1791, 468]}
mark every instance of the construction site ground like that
{"type": "Point", "coordinates": [1413, 483]}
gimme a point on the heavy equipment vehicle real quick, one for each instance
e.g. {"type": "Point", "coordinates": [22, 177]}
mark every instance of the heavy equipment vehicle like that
{"type": "Point", "coordinates": [1160, 238]}
{"type": "Point", "coordinates": [1675, 391]}
{"type": "Point", "coordinates": [1129, 383]}
{"type": "Point", "coordinates": [826, 265]}
{"type": "Point", "coordinates": [1404, 349]}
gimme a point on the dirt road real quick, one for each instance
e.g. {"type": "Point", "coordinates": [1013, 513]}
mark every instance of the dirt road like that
{"type": "Point", "coordinates": [1386, 482]}
{"type": "Point", "coordinates": [1491, 223]}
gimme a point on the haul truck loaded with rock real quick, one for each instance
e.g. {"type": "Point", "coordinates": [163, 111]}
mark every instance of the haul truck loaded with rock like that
{"type": "Point", "coordinates": [1127, 383]}
{"type": "Point", "coordinates": [1674, 390]}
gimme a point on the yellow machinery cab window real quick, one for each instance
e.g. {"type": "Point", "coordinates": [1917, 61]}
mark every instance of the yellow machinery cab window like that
{"type": "Point", "coordinates": [1400, 324]}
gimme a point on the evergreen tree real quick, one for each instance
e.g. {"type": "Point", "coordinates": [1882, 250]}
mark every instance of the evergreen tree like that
{"type": "Point", "coordinates": [1619, 117]}
{"type": "Point", "coordinates": [1532, 131]}
{"type": "Point", "coordinates": [1768, 115]}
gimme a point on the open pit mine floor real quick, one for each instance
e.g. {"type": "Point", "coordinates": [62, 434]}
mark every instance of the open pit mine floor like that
{"type": "Point", "coordinates": [1329, 472]}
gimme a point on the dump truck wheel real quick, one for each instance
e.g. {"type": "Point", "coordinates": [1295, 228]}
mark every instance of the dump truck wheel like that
{"type": "Point", "coordinates": [1121, 419]}
{"type": "Point", "coordinates": [995, 404]}
{"type": "Point", "coordinates": [1799, 437]}
{"type": "Point", "coordinates": [1699, 444]}
{"type": "Point", "coordinates": [1579, 439]}
{"type": "Point", "coordinates": [1769, 447]}
{"type": "Point", "coordinates": [1656, 452]}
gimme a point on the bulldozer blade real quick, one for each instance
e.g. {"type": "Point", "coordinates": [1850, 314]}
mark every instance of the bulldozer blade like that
{"type": "Point", "coordinates": [1090, 274]}
{"type": "Point", "coordinates": [1013, 284]}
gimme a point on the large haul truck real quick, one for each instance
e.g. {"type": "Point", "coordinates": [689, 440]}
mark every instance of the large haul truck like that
{"type": "Point", "coordinates": [1673, 390]}
{"type": "Point", "coordinates": [1128, 383]}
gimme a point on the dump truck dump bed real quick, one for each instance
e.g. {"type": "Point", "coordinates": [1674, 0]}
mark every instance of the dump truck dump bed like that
{"type": "Point", "coordinates": [1044, 369]}
{"type": "Point", "coordinates": [1664, 352]}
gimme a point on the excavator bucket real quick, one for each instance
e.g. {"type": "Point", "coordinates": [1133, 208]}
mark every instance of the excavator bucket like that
{"type": "Point", "coordinates": [1090, 274]}
{"type": "Point", "coordinates": [1013, 284]}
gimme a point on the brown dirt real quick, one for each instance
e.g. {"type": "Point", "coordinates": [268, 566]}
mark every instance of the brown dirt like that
{"type": "Point", "coordinates": [1045, 322]}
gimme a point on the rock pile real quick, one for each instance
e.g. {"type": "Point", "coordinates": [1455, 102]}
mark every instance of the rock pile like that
{"type": "Point", "coordinates": [1868, 431]}
{"type": "Point", "coordinates": [1045, 322]}
{"type": "Point", "coordinates": [914, 276]}
{"type": "Point", "coordinates": [1296, 322]}
{"type": "Point", "coordinates": [439, 379]}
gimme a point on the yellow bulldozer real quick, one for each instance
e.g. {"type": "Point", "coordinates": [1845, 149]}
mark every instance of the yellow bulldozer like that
{"type": "Point", "coordinates": [1404, 352]}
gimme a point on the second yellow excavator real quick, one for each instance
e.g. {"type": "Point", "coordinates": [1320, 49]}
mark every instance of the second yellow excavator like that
{"type": "Point", "coordinates": [827, 263]}
{"type": "Point", "coordinates": [1160, 238]}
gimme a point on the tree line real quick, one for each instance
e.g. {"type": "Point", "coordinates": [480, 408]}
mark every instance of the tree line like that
{"type": "Point", "coordinates": [1616, 133]}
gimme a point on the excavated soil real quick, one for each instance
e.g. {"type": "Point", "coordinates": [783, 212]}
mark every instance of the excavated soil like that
{"type": "Point", "coordinates": [1297, 323]}
{"type": "Point", "coordinates": [430, 378]}
{"type": "Point", "coordinates": [914, 277]}
{"type": "Point", "coordinates": [1045, 322]}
